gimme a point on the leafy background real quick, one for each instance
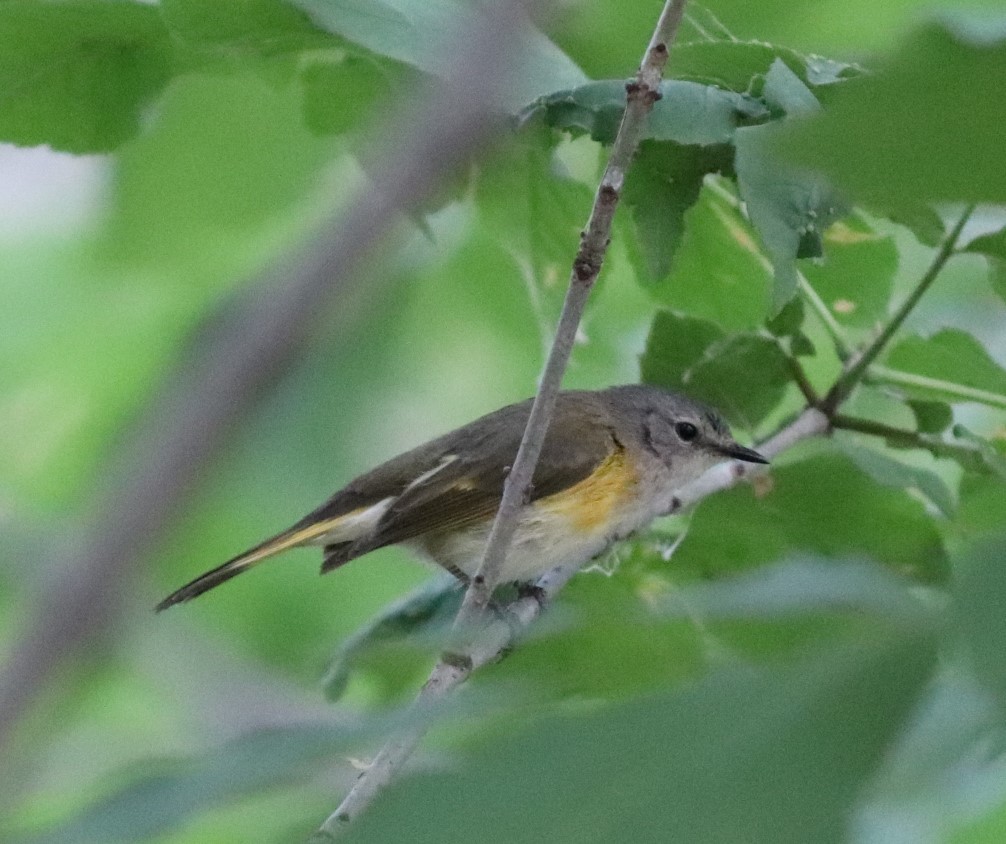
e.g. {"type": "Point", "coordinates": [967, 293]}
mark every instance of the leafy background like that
{"type": "Point", "coordinates": [814, 657]}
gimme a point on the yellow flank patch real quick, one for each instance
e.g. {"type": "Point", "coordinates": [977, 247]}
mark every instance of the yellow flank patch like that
{"type": "Point", "coordinates": [590, 504]}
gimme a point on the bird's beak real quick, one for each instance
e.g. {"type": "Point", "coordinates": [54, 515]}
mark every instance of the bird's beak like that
{"type": "Point", "coordinates": [739, 452]}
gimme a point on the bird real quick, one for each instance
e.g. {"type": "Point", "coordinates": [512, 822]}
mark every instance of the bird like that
{"type": "Point", "coordinates": [612, 461]}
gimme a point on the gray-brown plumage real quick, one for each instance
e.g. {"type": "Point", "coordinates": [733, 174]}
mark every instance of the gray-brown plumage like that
{"type": "Point", "coordinates": [610, 461]}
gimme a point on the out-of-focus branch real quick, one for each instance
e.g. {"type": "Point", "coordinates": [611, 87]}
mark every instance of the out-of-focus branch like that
{"type": "Point", "coordinates": [153, 477]}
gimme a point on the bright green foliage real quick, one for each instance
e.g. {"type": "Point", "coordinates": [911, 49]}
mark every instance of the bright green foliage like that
{"type": "Point", "coordinates": [815, 656]}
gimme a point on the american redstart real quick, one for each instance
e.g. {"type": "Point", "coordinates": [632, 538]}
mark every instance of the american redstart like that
{"type": "Point", "coordinates": [612, 461]}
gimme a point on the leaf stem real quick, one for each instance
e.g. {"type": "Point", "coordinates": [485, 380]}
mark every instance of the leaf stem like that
{"type": "Point", "coordinates": [897, 377]}
{"type": "Point", "coordinates": [858, 365]}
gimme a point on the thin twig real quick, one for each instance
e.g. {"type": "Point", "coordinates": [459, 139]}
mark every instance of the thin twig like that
{"type": "Point", "coordinates": [963, 453]}
{"type": "Point", "coordinates": [641, 94]}
{"type": "Point", "coordinates": [858, 365]}
{"type": "Point", "coordinates": [185, 427]}
{"type": "Point", "coordinates": [886, 375]}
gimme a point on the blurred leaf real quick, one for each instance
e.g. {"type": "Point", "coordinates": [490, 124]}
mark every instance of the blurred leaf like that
{"type": "Point", "coordinates": [931, 417]}
{"type": "Point", "coordinates": [918, 130]}
{"type": "Point", "coordinates": [78, 75]}
{"type": "Point", "coordinates": [687, 113]}
{"type": "Point", "coordinates": [789, 321]}
{"type": "Point", "coordinates": [718, 273]}
{"type": "Point", "coordinates": [339, 91]}
{"type": "Point", "coordinates": [826, 505]}
{"type": "Point", "coordinates": [784, 90]}
{"type": "Point", "coordinates": [171, 792]}
{"type": "Point", "coordinates": [788, 206]}
{"type": "Point", "coordinates": [891, 472]}
{"type": "Point", "coordinates": [948, 355]}
{"type": "Point", "coordinates": [266, 26]}
{"type": "Point", "coordinates": [982, 507]}
{"type": "Point", "coordinates": [798, 587]}
{"type": "Point", "coordinates": [193, 184]}
{"type": "Point", "coordinates": [993, 247]}
{"type": "Point", "coordinates": [664, 182]}
{"type": "Point", "coordinates": [417, 33]}
{"type": "Point", "coordinates": [981, 596]}
{"type": "Point", "coordinates": [425, 615]}
{"type": "Point", "coordinates": [745, 743]}
{"type": "Point", "coordinates": [856, 276]}
{"type": "Point", "coordinates": [920, 219]}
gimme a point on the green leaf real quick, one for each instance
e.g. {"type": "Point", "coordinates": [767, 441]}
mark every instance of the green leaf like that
{"type": "Point", "coordinates": [170, 792]}
{"type": "Point", "coordinates": [790, 208]}
{"type": "Point", "coordinates": [920, 130]}
{"type": "Point", "coordinates": [78, 75]}
{"type": "Point", "coordinates": [741, 65]}
{"type": "Point", "coordinates": [856, 277]}
{"type": "Point", "coordinates": [931, 417]}
{"type": "Point", "coordinates": [264, 26]}
{"type": "Point", "coordinates": [193, 185]}
{"type": "Point", "coordinates": [981, 596]}
{"type": "Point", "coordinates": [993, 247]}
{"type": "Point", "coordinates": [742, 375]}
{"type": "Point", "coordinates": [993, 457]}
{"type": "Point", "coordinates": [664, 182]}
{"type": "Point", "coordinates": [675, 344]}
{"type": "Point", "coordinates": [687, 113]}
{"type": "Point", "coordinates": [825, 505]}
{"type": "Point", "coordinates": [425, 615]}
{"type": "Point", "coordinates": [537, 214]}
{"type": "Point", "coordinates": [808, 737]}
{"type": "Point", "coordinates": [785, 91]}
{"type": "Point", "coordinates": [891, 472]}
{"type": "Point", "coordinates": [718, 273]}
{"type": "Point", "coordinates": [949, 355]}
{"type": "Point", "coordinates": [340, 91]}
{"type": "Point", "coordinates": [418, 33]}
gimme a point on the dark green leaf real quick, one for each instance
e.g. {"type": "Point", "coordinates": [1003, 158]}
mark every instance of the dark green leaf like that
{"type": "Point", "coordinates": [982, 507]}
{"type": "Point", "coordinates": [825, 505]}
{"type": "Point", "coordinates": [994, 457]}
{"type": "Point", "coordinates": [856, 277]}
{"type": "Point", "coordinates": [949, 355]}
{"type": "Point", "coordinates": [889, 471]}
{"type": "Point", "coordinates": [263, 26]}
{"type": "Point", "coordinates": [745, 743]}
{"type": "Point", "coordinates": [931, 417]}
{"type": "Point", "coordinates": [419, 33]}
{"type": "Point", "coordinates": [664, 182]}
{"type": "Point", "coordinates": [78, 75]}
{"type": "Point", "coordinates": [676, 343]}
{"type": "Point", "coordinates": [993, 247]}
{"type": "Point", "coordinates": [174, 791]}
{"type": "Point", "coordinates": [425, 615]}
{"type": "Point", "coordinates": [744, 376]}
{"type": "Point", "coordinates": [718, 273]}
{"type": "Point", "coordinates": [790, 208]}
{"type": "Point", "coordinates": [687, 113]}
{"type": "Point", "coordinates": [918, 131]}
{"type": "Point", "coordinates": [789, 321]}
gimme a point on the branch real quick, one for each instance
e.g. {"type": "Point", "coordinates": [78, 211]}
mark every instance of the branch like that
{"type": "Point", "coordinates": [857, 367]}
{"type": "Point", "coordinates": [967, 455]}
{"type": "Point", "coordinates": [885, 375]}
{"type": "Point", "coordinates": [452, 669]}
{"type": "Point", "coordinates": [188, 422]}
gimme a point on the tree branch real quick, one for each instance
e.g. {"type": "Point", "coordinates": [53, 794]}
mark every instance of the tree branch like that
{"type": "Point", "coordinates": [857, 366]}
{"type": "Point", "coordinates": [185, 426]}
{"type": "Point", "coordinates": [903, 438]}
{"type": "Point", "coordinates": [886, 375]}
{"type": "Point", "coordinates": [451, 670]}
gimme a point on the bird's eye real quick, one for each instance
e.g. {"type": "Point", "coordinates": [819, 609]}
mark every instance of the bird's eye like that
{"type": "Point", "coordinates": [687, 431]}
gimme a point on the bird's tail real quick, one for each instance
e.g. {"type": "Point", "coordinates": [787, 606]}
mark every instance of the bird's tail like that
{"type": "Point", "coordinates": [297, 535]}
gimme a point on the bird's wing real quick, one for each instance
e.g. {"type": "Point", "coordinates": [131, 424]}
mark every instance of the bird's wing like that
{"type": "Point", "coordinates": [467, 485]}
